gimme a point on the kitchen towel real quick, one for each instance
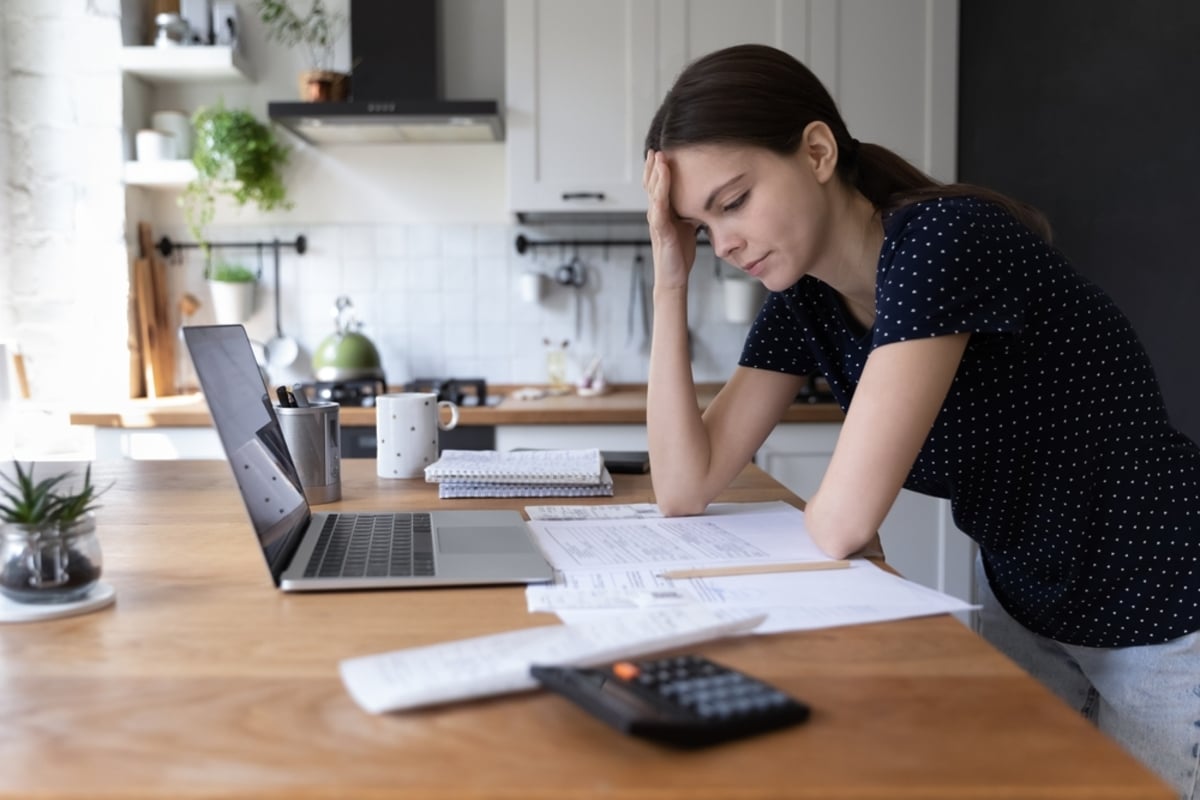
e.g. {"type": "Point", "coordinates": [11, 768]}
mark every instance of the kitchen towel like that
{"type": "Point", "coordinates": [639, 311]}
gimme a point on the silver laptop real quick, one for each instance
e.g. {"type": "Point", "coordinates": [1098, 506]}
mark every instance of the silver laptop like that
{"type": "Point", "coordinates": [339, 550]}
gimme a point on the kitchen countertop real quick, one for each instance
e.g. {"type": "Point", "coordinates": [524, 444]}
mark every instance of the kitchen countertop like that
{"type": "Point", "coordinates": [624, 404]}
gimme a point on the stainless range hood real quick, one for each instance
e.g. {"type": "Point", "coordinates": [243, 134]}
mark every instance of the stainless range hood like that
{"type": "Point", "coordinates": [395, 87]}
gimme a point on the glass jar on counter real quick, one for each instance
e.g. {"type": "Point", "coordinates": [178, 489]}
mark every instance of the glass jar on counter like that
{"type": "Point", "coordinates": [173, 30]}
{"type": "Point", "coordinates": [49, 562]}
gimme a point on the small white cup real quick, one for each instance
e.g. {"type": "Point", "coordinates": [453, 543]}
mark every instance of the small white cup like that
{"type": "Point", "coordinates": [743, 299]}
{"type": "Point", "coordinates": [178, 125]}
{"type": "Point", "coordinates": [532, 286]}
{"type": "Point", "coordinates": [154, 145]}
{"type": "Point", "coordinates": [406, 432]}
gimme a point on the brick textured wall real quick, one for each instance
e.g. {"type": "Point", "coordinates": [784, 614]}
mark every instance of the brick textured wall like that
{"type": "Point", "coordinates": [63, 270]}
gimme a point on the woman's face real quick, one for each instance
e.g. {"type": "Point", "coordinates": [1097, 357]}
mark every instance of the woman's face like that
{"type": "Point", "coordinates": [766, 214]}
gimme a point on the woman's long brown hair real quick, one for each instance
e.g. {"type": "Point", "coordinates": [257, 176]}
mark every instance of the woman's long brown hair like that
{"type": "Point", "coordinates": [759, 96]}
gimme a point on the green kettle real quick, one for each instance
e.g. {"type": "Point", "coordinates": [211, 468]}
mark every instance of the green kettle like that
{"type": "Point", "coordinates": [346, 354]}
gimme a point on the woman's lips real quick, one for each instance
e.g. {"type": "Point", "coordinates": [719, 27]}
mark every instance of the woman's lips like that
{"type": "Point", "coordinates": [754, 268]}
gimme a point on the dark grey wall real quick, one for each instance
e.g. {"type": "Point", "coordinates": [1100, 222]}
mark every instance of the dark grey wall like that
{"type": "Point", "coordinates": [1090, 110]}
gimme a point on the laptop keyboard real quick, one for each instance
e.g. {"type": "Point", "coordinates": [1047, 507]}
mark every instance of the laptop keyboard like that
{"type": "Point", "coordinates": [373, 546]}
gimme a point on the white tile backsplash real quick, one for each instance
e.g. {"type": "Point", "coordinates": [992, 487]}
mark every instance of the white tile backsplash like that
{"type": "Point", "coordinates": [442, 300]}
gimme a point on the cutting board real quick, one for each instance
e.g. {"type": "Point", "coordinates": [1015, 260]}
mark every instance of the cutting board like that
{"type": "Point", "coordinates": [156, 334]}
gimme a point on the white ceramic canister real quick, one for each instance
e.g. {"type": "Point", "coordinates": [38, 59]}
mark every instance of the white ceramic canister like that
{"type": "Point", "coordinates": [178, 125]}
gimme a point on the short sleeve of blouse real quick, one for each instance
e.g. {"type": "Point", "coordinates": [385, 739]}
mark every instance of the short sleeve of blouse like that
{"type": "Point", "coordinates": [952, 266]}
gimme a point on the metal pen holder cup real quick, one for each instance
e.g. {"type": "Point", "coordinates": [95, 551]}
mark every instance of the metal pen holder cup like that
{"type": "Point", "coordinates": [313, 436]}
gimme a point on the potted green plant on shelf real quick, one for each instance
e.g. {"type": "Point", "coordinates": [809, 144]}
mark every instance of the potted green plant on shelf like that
{"type": "Point", "coordinates": [319, 31]}
{"type": "Point", "coordinates": [49, 552]}
{"type": "Point", "coordinates": [235, 155]}
{"type": "Point", "coordinates": [233, 289]}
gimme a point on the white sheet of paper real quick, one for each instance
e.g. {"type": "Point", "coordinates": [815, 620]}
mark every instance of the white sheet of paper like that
{"type": "Point", "coordinates": [498, 663]}
{"type": "Point", "coordinates": [610, 511]}
{"type": "Point", "coordinates": [728, 533]}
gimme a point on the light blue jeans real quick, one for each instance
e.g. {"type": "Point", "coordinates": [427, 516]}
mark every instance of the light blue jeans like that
{"type": "Point", "coordinates": [1146, 698]}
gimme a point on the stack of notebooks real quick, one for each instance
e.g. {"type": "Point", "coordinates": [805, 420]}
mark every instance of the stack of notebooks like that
{"type": "Point", "coordinates": [520, 473]}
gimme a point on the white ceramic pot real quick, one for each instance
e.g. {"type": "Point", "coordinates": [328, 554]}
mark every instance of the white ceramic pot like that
{"type": "Point", "coordinates": [743, 298]}
{"type": "Point", "coordinates": [232, 302]}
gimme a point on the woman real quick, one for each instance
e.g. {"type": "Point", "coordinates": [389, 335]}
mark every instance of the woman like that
{"type": "Point", "coordinates": [973, 363]}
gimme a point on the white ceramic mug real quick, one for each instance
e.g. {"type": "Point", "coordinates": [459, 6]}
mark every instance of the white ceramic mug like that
{"type": "Point", "coordinates": [533, 286]}
{"type": "Point", "coordinates": [406, 432]}
{"type": "Point", "coordinates": [152, 145]}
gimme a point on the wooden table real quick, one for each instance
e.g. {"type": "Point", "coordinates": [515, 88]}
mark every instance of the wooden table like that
{"type": "Point", "coordinates": [204, 681]}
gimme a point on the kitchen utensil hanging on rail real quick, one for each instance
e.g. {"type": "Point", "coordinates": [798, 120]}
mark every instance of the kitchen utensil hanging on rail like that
{"type": "Point", "coordinates": [638, 338]}
{"type": "Point", "coordinates": [282, 351]}
{"type": "Point", "coordinates": [573, 275]}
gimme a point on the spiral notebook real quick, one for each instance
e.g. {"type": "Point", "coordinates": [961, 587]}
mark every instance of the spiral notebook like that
{"type": "Point", "coordinates": [518, 466]}
{"type": "Point", "coordinates": [520, 473]}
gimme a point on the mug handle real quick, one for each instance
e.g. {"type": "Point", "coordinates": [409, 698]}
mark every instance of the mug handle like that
{"type": "Point", "coordinates": [453, 415]}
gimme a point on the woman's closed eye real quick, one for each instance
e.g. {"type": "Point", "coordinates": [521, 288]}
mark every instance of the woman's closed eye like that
{"type": "Point", "coordinates": [728, 208]}
{"type": "Point", "coordinates": [736, 203]}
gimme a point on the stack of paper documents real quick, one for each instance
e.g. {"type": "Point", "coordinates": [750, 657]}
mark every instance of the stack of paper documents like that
{"type": "Point", "coordinates": [520, 473]}
{"type": "Point", "coordinates": [620, 559]}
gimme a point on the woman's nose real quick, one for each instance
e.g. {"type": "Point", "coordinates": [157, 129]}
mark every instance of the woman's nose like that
{"type": "Point", "coordinates": [724, 243]}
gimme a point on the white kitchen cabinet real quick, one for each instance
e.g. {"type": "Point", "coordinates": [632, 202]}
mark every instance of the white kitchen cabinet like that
{"type": "Point", "coordinates": [578, 103]}
{"type": "Point", "coordinates": [919, 537]}
{"type": "Point", "coordinates": [158, 444]}
{"type": "Point", "coordinates": [571, 437]}
{"type": "Point", "coordinates": [584, 78]}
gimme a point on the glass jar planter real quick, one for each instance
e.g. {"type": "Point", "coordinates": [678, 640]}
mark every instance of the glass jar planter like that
{"type": "Point", "coordinates": [48, 562]}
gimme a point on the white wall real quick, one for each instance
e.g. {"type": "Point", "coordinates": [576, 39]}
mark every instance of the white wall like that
{"type": "Point", "coordinates": [63, 272]}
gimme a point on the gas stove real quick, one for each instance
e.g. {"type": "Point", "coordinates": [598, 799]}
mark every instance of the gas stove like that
{"type": "Point", "coordinates": [460, 391]}
{"type": "Point", "coordinates": [359, 392]}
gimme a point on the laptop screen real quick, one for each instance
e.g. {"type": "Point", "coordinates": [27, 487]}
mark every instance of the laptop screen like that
{"type": "Point", "coordinates": [244, 416]}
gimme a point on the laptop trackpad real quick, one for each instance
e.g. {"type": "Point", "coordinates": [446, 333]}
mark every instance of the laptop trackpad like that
{"type": "Point", "coordinates": [482, 540]}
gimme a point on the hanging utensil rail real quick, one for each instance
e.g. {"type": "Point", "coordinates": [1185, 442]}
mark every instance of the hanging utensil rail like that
{"type": "Point", "coordinates": [166, 246]}
{"type": "Point", "coordinates": [525, 244]}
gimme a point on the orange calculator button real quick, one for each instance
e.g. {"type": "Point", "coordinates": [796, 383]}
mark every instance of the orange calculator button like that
{"type": "Point", "coordinates": [626, 670]}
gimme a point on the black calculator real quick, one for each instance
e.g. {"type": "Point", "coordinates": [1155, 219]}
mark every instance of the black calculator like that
{"type": "Point", "coordinates": [686, 701]}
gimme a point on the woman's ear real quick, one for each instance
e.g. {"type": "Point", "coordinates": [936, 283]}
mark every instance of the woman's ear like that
{"type": "Point", "coordinates": [820, 150]}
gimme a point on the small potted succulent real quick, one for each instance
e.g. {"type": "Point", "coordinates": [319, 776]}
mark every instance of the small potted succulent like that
{"type": "Point", "coordinates": [49, 552]}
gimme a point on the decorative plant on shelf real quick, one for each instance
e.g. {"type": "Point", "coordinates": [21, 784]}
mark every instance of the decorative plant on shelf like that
{"type": "Point", "coordinates": [48, 548]}
{"type": "Point", "coordinates": [237, 156]}
{"type": "Point", "coordinates": [319, 31]}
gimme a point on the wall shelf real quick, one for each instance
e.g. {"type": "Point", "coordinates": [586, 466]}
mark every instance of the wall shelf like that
{"type": "Point", "coordinates": [159, 174]}
{"type": "Point", "coordinates": [182, 64]}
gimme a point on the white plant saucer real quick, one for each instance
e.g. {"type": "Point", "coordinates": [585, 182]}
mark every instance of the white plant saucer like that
{"type": "Point", "coordinates": [102, 594]}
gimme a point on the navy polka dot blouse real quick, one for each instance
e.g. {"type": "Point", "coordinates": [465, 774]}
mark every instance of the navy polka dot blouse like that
{"type": "Point", "coordinates": [1053, 444]}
